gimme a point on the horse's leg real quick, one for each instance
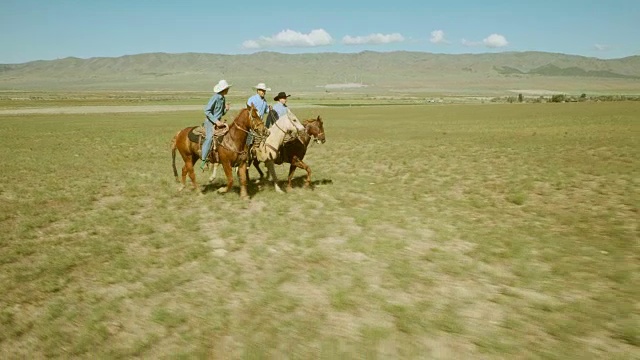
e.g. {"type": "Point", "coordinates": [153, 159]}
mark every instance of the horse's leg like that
{"type": "Point", "coordinates": [183, 178]}
{"type": "Point", "coordinates": [246, 172]}
{"type": "Point", "coordinates": [256, 164]}
{"type": "Point", "coordinates": [306, 167]}
{"type": "Point", "coordinates": [243, 173]}
{"type": "Point", "coordinates": [213, 174]}
{"type": "Point", "coordinates": [297, 163]}
{"type": "Point", "coordinates": [292, 169]}
{"type": "Point", "coordinates": [192, 174]}
{"type": "Point", "coordinates": [188, 164]}
{"type": "Point", "coordinates": [185, 170]}
{"type": "Point", "coordinates": [272, 174]}
{"type": "Point", "coordinates": [228, 171]}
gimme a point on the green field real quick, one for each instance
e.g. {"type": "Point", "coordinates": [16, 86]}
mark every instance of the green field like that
{"type": "Point", "coordinates": [12, 100]}
{"type": "Point", "coordinates": [441, 231]}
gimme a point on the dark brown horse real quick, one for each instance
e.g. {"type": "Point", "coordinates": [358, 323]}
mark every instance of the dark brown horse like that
{"type": "Point", "coordinates": [231, 151]}
{"type": "Point", "coordinates": [292, 152]}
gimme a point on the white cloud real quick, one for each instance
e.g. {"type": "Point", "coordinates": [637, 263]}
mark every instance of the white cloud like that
{"type": "Point", "coordinates": [491, 41]}
{"type": "Point", "coordinates": [601, 47]}
{"type": "Point", "coordinates": [495, 41]}
{"type": "Point", "coordinates": [470, 43]}
{"type": "Point", "coordinates": [437, 37]}
{"type": "Point", "coordinates": [251, 44]}
{"type": "Point", "coordinates": [375, 39]}
{"type": "Point", "coordinates": [290, 38]}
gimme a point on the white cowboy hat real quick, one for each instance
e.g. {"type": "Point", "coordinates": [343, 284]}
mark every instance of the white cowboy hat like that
{"type": "Point", "coordinates": [262, 86]}
{"type": "Point", "coordinates": [221, 85]}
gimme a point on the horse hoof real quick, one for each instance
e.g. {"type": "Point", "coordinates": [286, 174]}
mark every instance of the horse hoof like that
{"type": "Point", "coordinates": [278, 190]}
{"type": "Point", "coordinates": [222, 190]}
{"type": "Point", "coordinates": [180, 188]}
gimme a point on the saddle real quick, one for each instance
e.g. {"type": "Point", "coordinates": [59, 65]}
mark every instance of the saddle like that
{"type": "Point", "coordinates": [198, 133]}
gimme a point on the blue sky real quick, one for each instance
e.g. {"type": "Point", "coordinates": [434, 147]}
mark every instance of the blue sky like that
{"type": "Point", "coordinates": [52, 29]}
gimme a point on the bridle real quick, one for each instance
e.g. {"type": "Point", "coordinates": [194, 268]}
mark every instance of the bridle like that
{"type": "Point", "coordinates": [253, 123]}
{"type": "Point", "coordinates": [316, 136]}
{"type": "Point", "coordinates": [292, 123]}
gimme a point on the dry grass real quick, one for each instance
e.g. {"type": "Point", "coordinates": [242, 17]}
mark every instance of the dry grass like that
{"type": "Point", "coordinates": [431, 232]}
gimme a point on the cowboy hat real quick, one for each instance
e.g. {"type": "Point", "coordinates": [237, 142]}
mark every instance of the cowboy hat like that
{"type": "Point", "coordinates": [281, 95]}
{"type": "Point", "coordinates": [221, 85]}
{"type": "Point", "coordinates": [262, 86]}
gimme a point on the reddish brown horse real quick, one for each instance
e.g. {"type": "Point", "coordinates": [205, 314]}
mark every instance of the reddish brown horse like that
{"type": "Point", "coordinates": [231, 151]}
{"type": "Point", "coordinates": [292, 152]}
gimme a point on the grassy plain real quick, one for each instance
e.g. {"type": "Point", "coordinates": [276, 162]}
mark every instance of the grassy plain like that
{"type": "Point", "coordinates": [455, 231]}
{"type": "Point", "coordinates": [10, 100]}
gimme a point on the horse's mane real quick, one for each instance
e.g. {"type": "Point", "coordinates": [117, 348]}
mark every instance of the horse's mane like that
{"type": "Point", "coordinates": [309, 121]}
{"type": "Point", "coordinates": [241, 113]}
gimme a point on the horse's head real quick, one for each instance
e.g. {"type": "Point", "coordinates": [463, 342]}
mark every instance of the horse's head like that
{"type": "Point", "coordinates": [292, 125]}
{"type": "Point", "coordinates": [255, 123]}
{"type": "Point", "coordinates": [315, 128]}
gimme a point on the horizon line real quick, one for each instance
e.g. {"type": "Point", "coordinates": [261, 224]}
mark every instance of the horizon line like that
{"type": "Point", "coordinates": [323, 52]}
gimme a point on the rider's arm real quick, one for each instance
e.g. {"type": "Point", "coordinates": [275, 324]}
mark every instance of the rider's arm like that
{"type": "Point", "coordinates": [215, 109]}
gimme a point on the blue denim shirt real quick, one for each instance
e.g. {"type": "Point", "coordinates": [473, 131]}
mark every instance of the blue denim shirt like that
{"type": "Point", "coordinates": [215, 108]}
{"type": "Point", "coordinates": [259, 103]}
{"type": "Point", "coordinates": [280, 108]}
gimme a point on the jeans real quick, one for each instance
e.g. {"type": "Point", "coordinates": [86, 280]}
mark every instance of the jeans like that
{"type": "Point", "coordinates": [206, 145]}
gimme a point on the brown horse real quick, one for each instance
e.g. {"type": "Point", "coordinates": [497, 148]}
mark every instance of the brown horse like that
{"type": "Point", "coordinates": [231, 151]}
{"type": "Point", "coordinates": [292, 152]}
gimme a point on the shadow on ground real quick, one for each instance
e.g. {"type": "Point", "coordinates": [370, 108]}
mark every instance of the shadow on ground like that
{"type": "Point", "coordinates": [257, 185]}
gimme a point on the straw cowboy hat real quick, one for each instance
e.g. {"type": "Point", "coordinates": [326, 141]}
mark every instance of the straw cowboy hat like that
{"type": "Point", "coordinates": [281, 95]}
{"type": "Point", "coordinates": [221, 85]}
{"type": "Point", "coordinates": [262, 86]}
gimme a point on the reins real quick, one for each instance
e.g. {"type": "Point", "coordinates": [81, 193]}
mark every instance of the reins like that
{"type": "Point", "coordinates": [241, 129]}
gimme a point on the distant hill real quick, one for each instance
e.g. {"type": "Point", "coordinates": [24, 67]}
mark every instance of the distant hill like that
{"type": "Point", "coordinates": [552, 70]}
{"type": "Point", "coordinates": [373, 72]}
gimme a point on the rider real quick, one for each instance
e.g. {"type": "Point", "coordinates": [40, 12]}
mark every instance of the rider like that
{"type": "Point", "coordinates": [258, 99]}
{"type": "Point", "coordinates": [281, 106]}
{"type": "Point", "coordinates": [260, 103]}
{"type": "Point", "coordinates": [214, 110]}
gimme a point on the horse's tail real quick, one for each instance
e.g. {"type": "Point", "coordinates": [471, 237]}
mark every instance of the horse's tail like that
{"type": "Point", "coordinates": [174, 147]}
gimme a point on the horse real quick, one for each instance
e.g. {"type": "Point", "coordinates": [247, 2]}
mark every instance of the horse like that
{"type": "Point", "coordinates": [231, 150]}
{"type": "Point", "coordinates": [267, 151]}
{"type": "Point", "coordinates": [292, 152]}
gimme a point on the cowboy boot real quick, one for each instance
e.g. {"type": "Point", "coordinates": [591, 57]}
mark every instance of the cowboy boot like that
{"type": "Point", "coordinates": [203, 163]}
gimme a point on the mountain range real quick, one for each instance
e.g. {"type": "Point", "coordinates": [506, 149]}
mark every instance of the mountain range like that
{"type": "Point", "coordinates": [365, 72]}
